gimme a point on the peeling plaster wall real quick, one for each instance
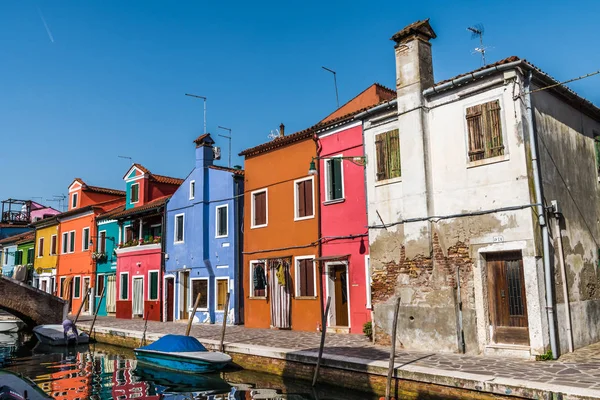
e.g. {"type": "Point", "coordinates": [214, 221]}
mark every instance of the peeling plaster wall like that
{"type": "Point", "coordinates": [569, 175]}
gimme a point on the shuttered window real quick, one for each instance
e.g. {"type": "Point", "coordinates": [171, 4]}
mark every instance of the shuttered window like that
{"type": "Point", "coordinates": [259, 208]}
{"type": "Point", "coordinates": [304, 198]}
{"type": "Point", "coordinates": [30, 255]}
{"type": "Point", "coordinates": [40, 251]}
{"type": "Point", "coordinates": [53, 245]}
{"type": "Point", "coordinates": [71, 241]}
{"type": "Point", "coordinates": [305, 284]}
{"type": "Point", "coordinates": [65, 242]}
{"type": "Point", "coordinates": [86, 239]}
{"type": "Point", "coordinates": [99, 285]}
{"type": "Point", "coordinates": [102, 242]}
{"type": "Point", "coordinates": [387, 148]}
{"type": "Point", "coordinates": [485, 131]}
{"type": "Point", "coordinates": [153, 277]}
{"type": "Point", "coordinates": [597, 151]}
{"type": "Point", "coordinates": [124, 287]}
{"type": "Point", "coordinates": [200, 286]}
{"type": "Point", "coordinates": [18, 257]}
{"type": "Point", "coordinates": [222, 221]}
{"type": "Point", "coordinates": [77, 289]}
{"type": "Point", "coordinates": [334, 179]}
{"type": "Point", "coordinates": [222, 289]}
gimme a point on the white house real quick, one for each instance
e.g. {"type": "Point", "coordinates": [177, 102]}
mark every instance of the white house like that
{"type": "Point", "coordinates": [466, 180]}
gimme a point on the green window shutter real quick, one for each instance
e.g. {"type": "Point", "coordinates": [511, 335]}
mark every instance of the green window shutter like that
{"type": "Point", "coordinates": [153, 285]}
{"type": "Point", "coordinates": [393, 145]}
{"type": "Point", "coordinates": [77, 286]}
{"type": "Point", "coordinates": [381, 151]}
{"type": "Point", "coordinates": [337, 178]}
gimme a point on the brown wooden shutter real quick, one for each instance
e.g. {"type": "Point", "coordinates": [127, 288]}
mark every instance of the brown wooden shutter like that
{"type": "Point", "coordinates": [393, 144]}
{"type": "Point", "coordinates": [475, 127]}
{"type": "Point", "coordinates": [301, 199]}
{"type": "Point", "coordinates": [306, 198]}
{"type": "Point", "coordinates": [310, 278]}
{"type": "Point", "coordinates": [382, 156]}
{"type": "Point", "coordinates": [260, 208]}
{"type": "Point", "coordinates": [493, 129]}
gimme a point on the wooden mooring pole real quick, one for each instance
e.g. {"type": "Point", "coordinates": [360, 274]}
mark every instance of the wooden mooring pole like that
{"type": "Point", "coordinates": [97, 309]}
{"type": "Point", "coordinates": [225, 312]}
{"type": "Point", "coordinates": [87, 295]}
{"type": "Point", "coordinates": [189, 327]}
{"type": "Point", "coordinates": [145, 326]}
{"type": "Point", "coordinates": [323, 332]}
{"type": "Point", "coordinates": [388, 386]}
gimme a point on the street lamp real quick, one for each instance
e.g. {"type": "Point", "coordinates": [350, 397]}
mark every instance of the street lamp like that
{"type": "Point", "coordinates": [357, 160]}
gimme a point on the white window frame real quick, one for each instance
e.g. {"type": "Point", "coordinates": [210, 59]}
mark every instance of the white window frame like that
{"type": "Point", "coordinates": [326, 169]}
{"type": "Point", "coordinates": [85, 246]}
{"type": "Point", "coordinates": [220, 278]}
{"type": "Point", "coordinates": [252, 264]}
{"type": "Point", "coordinates": [191, 300]}
{"type": "Point", "coordinates": [55, 239]}
{"type": "Point", "coordinates": [120, 297]}
{"type": "Point", "coordinates": [130, 227]}
{"type": "Point", "coordinates": [40, 252]}
{"type": "Point", "coordinates": [131, 193]}
{"type": "Point", "coordinates": [157, 284]}
{"type": "Point", "coordinates": [74, 200]}
{"type": "Point", "coordinates": [266, 190]}
{"type": "Point", "coordinates": [64, 248]}
{"type": "Point", "coordinates": [72, 241]}
{"type": "Point", "coordinates": [296, 217]}
{"type": "Point", "coordinates": [61, 285]}
{"type": "Point", "coordinates": [99, 245]}
{"type": "Point", "coordinates": [226, 206]}
{"type": "Point", "coordinates": [297, 277]}
{"type": "Point", "coordinates": [74, 279]}
{"type": "Point", "coordinates": [192, 190]}
{"type": "Point", "coordinates": [368, 281]}
{"type": "Point", "coordinates": [103, 286]}
{"type": "Point", "coordinates": [175, 241]}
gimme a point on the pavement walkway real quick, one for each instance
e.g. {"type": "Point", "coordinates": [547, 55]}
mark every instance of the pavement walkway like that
{"type": "Point", "coordinates": [575, 375]}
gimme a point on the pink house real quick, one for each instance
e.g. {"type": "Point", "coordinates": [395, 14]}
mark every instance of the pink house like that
{"type": "Point", "coordinates": [344, 257]}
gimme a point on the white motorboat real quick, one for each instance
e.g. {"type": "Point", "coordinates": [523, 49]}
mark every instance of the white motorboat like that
{"type": "Point", "coordinates": [53, 335]}
{"type": "Point", "coordinates": [11, 325]}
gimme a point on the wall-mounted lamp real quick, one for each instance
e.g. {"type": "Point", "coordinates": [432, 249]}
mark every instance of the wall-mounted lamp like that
{"type": "Point", "coordinates": [139, 264]}
{"type": "Point", "coordinates": [358, 160]}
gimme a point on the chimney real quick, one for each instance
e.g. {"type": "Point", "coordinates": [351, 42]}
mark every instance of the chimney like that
{"type": "Point", "coordinates": [281, 130]}
{"type": "Point", "coordinates": [204, 150]}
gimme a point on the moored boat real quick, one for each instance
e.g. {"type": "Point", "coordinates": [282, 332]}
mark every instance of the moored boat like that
{"type": "Point", "coordinates": [13, 386]}
{"type": "Point", "coordinates": [183, 354]}
{"type": "Point", "coordinates": [11, 325]}
{"type": "Point", "coordinates": [53, 335]}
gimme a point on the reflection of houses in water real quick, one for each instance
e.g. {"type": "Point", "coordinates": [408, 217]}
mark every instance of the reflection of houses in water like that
{"type": "Point", "coordinates": [126, 385]}
{"type": "Point", "coordinates": [73, 378]}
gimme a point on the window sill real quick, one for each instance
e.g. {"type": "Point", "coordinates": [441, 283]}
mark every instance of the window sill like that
{"type": "Point", "coordinates": [198, 310]}
{"type": "Point", "coordinates": [178, 242]}
{"type": "Point", "coordinates": [336, 201]}
{"type": "Point", "coordinates": [388, 181]}
{"type": "Point", "coordinates": [222, 237]}
{"type": "Point", "coordinates": [258, 226]}
{"type": "Point", "coordinates": [304, 218]}
{"type": "Point", "coordinates": [305, 298]}
{"type": "Point", "coordinates": [486, 161]}
{"type": "Point", "coordinates": [257, 297]}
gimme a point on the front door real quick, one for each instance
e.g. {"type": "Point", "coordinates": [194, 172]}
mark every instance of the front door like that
{"type": "Point", "coordinates": [280, 293]}
{"type": "Point", "coordinates": [169, 298]}
{"type": "Point", "coordinates": [338, 290]}
{"type": "Point", "coordinates": [185, 294]}
{"type": "Point", "coordinates": [111, 294]}
{"type": "Point", "coordinates": [86, 298]}
{"type": "Point", "coordinates": [138, 297]}
{"type": "Point", "coordinates": [44, 285]}
{"type": "Point", "coordinates": [507, 301]}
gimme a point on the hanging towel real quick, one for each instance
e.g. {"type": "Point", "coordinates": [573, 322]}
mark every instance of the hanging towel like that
{"type": "Point", "coordinates": [281, 275]}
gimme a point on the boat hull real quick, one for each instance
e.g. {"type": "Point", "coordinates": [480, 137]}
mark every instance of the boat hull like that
{"type": "Point", "coordinates": [11, 325]}
{"type": "Point", "coordinates": [178, 363]}
{"type": "Point", "coordinates": [52, 335]}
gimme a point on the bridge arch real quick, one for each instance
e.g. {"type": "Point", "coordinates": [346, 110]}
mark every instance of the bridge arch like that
{"type": "Point", "coordinates": [31, 305]}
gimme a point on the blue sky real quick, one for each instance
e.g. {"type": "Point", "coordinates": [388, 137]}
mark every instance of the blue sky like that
{"type": "Point", "coordinates": [108, 78]}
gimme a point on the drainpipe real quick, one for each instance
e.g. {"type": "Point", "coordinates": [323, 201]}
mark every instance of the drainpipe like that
{"type": "Point", "coordinates": [539, 199]}
{"type": "Point", "coordinates": [563, 270]}
{"type": "Point", "coordinates": [163, 249]}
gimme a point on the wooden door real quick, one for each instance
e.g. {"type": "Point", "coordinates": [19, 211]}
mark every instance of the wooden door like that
{"type": "Point", "coordinates": [185, 281]}
{"type": "Point", "coordinates": [85, 295]}
{"type": "Point", "coordinates": [341, 295]}
{"type": "Point", "coordinates": [170, 296]}
{"type": "Point", "coordinates": [506, 299]}
{"type": "Point", "coordinates": [44, 285]}
{"type": "Point", "coordinates": [111, 294]}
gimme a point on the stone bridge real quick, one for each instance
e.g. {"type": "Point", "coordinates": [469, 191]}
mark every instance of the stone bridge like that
{"type": "Point", "coordinates": [31, 305]}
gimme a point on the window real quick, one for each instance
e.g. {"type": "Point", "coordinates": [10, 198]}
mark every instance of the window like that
{"type": "Point", "coordinates": [65, 242]}
{"type": "Point", "coordinates": [102, 242]}
{"type": "Point", "coordinates": [128, 233]}
{"type": "Point", "coordinates": [6, 257]}
{"type": "Point", "coordinates": [72, 242]}
{"type": "Point", "coordinates": [30, 255]}
{"type": "Point", "coordinates": [135, 193]}
{"type": "Point", "coordinates": [258, 279]}
{"type": "Point", "coordinates": [368, 280]}
{"type": "Point", "coordinates": [86, 239]}
{"type": "Point", "coordinates": [155, 231]}
{"type": "Point", "coordinates": [334, 179]}
{"type": "Point", "coordinates": [153, 283]}
{"type": "Point", "coordinates": [52, 284]}
{"type": "Point", "coordinates": [18, 257]}
{"type": "Point", "coordinates": [304, 199]}
{"type": "Point", "coordinates": [387, 148]}
{"type": "Point", "coordinates": [199, 286]}
{"type": "Point", "coordinates": [77, 287]}
{"type": "Point", "coordinates": [259, 209]}
{"type": "Point", "coordinates": [179, 228]}
{"type": "Point", "coordinates": [53, 245]}
{"type": "Point", "coordinates": [485, 131]}
{"type": "Point", "coordinates": [40, 252]}
{"type": "Point", "coordinates": [192, 190]}
{"type": "Point", "coordinates": [597, 151]}
{"type": "Point", "coordinates": [222, 221]}
{"type": "Point", "coordinates": [74, 200]}
{"type": "Point", "coordinates": [306, 283]}
{"type": "Point", "coordinates": [222, 285]}
{"type": "Point", "coordinates": [99, 285]}
{"type": "Point", "coordinates": [124, 286]}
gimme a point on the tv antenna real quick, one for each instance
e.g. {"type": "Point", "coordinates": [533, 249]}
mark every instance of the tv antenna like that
{"type": "Point", "coordinates": [203, 98]}
{"type": "Point", "coordinates": [127, 157]}
{"type": "Point", "coordinates": [60, 199]}
{"type": "Point", "coordinates": [274, 134]}
{"type": "Point", "coordinates": [477, 32]}
{"type": "Point", "coordinates": [337, 99]}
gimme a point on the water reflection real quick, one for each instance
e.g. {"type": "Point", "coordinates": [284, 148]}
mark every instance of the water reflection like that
{"type": "Point", "coordinates": [106, 372]}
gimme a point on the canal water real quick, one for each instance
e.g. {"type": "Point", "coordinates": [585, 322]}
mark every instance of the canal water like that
{"type": "Point", "coordinates": [101, 371]}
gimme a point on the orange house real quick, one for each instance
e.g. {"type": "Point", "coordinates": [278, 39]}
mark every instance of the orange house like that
{"type": "Point", "coordinates": [77, 233]}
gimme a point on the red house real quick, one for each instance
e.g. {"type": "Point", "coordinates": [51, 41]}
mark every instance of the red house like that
{"type": "Point", "coordinates": [344, 260]}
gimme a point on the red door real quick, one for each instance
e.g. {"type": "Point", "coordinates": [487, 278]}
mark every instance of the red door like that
{"type": "Point", "coordinates": [170, 298]}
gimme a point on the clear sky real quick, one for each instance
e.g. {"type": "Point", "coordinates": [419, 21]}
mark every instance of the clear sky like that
{"type": "Point", "coordinates": [82, 82]}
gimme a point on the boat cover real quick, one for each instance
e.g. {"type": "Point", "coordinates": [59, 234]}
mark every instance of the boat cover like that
{"type": "Point", "coordinates": [176, 343]}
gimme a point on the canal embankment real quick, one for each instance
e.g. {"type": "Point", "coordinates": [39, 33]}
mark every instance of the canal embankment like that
{"type": "Point", "coordinates": [352, 362]}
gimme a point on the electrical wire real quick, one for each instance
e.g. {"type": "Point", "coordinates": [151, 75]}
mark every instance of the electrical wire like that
{"type": "Point", "coordinates": [311, 244]}
{"type": "Point", "coordinates": [561, 83]}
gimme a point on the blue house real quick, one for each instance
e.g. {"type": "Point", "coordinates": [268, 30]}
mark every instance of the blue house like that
{"type": "Point", "coordinates": [204, 242]}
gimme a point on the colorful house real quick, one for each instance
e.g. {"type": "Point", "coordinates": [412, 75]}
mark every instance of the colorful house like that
{"type": "Point", "coordinates": [26, 257]}
{"type": "Point", "coordinates": [76, 265]}
{"type": "Point", "coordinates": [11, 256]}
{"type": "Point", "coordinates": [46, 253]}
{"type": "Point", "coordinates": [106, 262]}
{"type": "Point", "coordinates": [345, 248]}
{"type": "Point", "coordinates": [204, 241]}
{"type": "Point", "coordinates": [140, 245]}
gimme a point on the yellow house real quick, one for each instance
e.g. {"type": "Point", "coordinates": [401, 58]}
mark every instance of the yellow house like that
{"type": "Point", "coordinates": [47, 232]}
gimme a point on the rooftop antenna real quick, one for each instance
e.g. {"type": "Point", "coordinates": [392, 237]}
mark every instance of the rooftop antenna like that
{"type": "Point", "coordinates": [229, 138]}
{"type": "Point", "coordinates": [477, 32]}
{"type": "Point", "coordinates": [60, 199]}
{"type": "Point", "coordinates": [274, 134]}
{"type": "Point", "coordinates": [335, 83]}
{"type": "Point", "coordinates": [203, 98]}
{"type": "Point", "coordinates": [127, 157]}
